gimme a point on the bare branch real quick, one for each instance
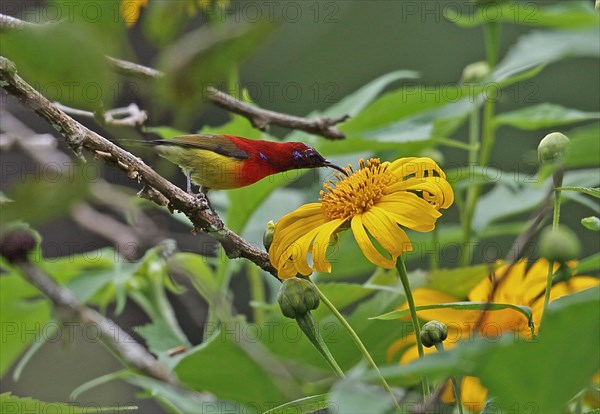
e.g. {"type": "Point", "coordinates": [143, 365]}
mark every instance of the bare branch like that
{"type": "Point", "coordinates": [78, 137]}
{"type": "Point", "coordinates": [131, 116]}
{"type": "Point", "coordinates": [260, 118]}
{"type": "Point", "coordinates": [111, 334]}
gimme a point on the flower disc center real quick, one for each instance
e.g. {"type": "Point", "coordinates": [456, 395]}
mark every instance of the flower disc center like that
{"type": "Point", "coordinates": [353, 195]}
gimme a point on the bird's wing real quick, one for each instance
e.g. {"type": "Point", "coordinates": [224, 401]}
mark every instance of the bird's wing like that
{"type": "Point", "coordinates": [209, 142]}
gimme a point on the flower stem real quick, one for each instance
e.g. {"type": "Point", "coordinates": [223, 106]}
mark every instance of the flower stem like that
{"type": "Point", "coordinates": [401, 268]}
{"type": "Point", "coordinates": [455, 387]}
{"type": "Point", "coordinates": [257, 293]}
{"type": "Point", "coordinates": [492, 48]}
{"type": "Point", "coordinates": [471, 196]}
{"type": "Point", "coordinates": [359, 344]}
{"type": "Point", "coordinates": [557, 181]}
{"type": "Point", "coordinates": [307, 323]}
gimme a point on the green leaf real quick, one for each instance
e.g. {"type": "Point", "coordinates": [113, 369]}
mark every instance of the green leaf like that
{"type": "Point", "coordinates": [160, 338]}
{"type": "Point", "coordinates": [591, 223]}
{"type": "Point", "coordinates": [481, 306]}
{"type": "Point", "coordinates": [342, 295]}
{"type": "Point", "coordinates": [594, 192]}
{"type": "Point", "coordinates": [197, 269]}
{"type": "Point", "coordinates": [543, 116]}
{"type": "Point", "coordinates": [46, 196]}
{"type": "Point", "coordinates": [544, 47]}
{"type": "Point", "coordinates": [304, 405]}
{"type": "Point", "coordinates": [589, 264]}
{"type": "Point", "coordinates": [21, 323]}
{"type": "Point", "coordinates": [563, 350]}
{"type": "Point", "coordinates": [353, 396]}
{"type": "Point", "coordinates": [65, 60]}
{"type": "Point", "coordinates": [521, 371]}
{"type": "Point", "coordinates": [215, 366]}
{"type": "Point", "coordinates": [178, 399]}
{"type": "Point", "coordinates": [457, 282]}
{"type": "Point", "coordinates": [502, 201]}
{"type": "Point", "coordinates": [571, 14]}
{"type": "Point", "coordinates": [201, 58]}
{"type": "Point", "coordinates": [12, 404]}
{"type": "Point", "coordinates": [584, 150]}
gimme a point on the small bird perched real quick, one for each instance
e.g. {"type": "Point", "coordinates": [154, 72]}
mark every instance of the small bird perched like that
{"type": "Point", "coordinates": [222, 162]}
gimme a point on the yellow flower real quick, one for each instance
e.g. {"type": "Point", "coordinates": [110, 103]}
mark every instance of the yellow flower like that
{"type": "Point", "coordinates": [374, 202]}
{"type": "Point", "coordinates": [130, 10]}
{"type": "Point", "coordinates": [519, 287]}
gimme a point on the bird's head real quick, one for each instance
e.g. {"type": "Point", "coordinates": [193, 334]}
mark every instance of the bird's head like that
{"type": "Point", "coordinates": [305, 156]}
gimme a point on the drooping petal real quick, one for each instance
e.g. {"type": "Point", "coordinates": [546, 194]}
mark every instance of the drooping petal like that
{"type": "Point", "coordinates": [410, 211]}
{"type": "Point", "coordinates": [385, 230]}
{"type": "Point", "coordinates": [283, 239]}
{"type": "Point", "coordinates": [297, 252]}
{"type": "Point", "coordinates": [321, 243]}
{"type": "Point", "coordinates": [365, 244]}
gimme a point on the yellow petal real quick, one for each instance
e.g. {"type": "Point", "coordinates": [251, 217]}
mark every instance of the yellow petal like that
{"type": "Point", "coordinates": [385, 230]}
{"type": "Point", "coordinates": [410, 211]}
{"type": "Point", "coordinates": [321, 243]}
{"type": "Point", "coordinates": [370, 252]}
{"type": "Point", "coordinates": [285, 236]}
{"type": "Point", "coordinates": [473, 394]}
{"type": "Point", "coordinates": [575, 284]}
{"type": "Point", "coordinates": [404, 168]}
{"type": "Point", "coordinates": [297, 252]}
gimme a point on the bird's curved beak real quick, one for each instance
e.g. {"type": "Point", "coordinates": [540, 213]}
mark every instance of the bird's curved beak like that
{"type": "Point", "coordinates": [330, 164]}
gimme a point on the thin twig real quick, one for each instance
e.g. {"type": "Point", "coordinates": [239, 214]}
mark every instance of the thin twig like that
{"type": "Point", "coordinates": [518, 249]}
{"type": "Point", "coordinates": [130, 116]}
{"type": "Point", "coordinates": [157, 188]}
{"type": "Point", "coordinates": [260, 118]}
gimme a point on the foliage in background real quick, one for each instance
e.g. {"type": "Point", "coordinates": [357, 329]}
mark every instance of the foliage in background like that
{"type": "Point", "coordinates": [552, 373]}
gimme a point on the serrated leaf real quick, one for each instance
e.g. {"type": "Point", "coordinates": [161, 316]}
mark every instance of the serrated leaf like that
{"type": "Point", "coordinates": [543, 116]}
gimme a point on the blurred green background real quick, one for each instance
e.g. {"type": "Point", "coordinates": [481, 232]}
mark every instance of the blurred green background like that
{"type": "Point", "coordinates": [319, 53]}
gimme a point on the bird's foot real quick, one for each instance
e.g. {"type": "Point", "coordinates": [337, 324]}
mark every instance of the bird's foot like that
{"type": "Point", "coordinates": [204, 203]}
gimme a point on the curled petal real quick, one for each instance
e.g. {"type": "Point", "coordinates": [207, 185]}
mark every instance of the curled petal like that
{"type": "Point", "coordinates": [367, 247]}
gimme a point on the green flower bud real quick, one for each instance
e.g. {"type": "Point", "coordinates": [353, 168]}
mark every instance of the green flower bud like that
{"type": "Point", "coordinates": [591, 222]}
{"type": "Point", "coordinates": [297, 297]}
{"type": "Point", "coordinates": [433, 332]}
{"type": "Point", "coordinates": [268, 234]}
{"type": "Point", "coordinates": [434, 154]}
{"type": "Point", "coordinates": [560, 245]}
{"type": "Point", "coordinates": [552, 147]}
{"type": "Point", "coordinates": [475, 72]}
